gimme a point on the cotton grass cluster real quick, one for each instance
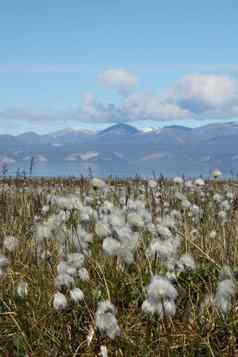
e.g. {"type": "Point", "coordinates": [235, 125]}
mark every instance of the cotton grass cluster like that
{"type": "Point", "coordinates": [161, 296]}
{"type": "Point", "coordinates": [118, 267]}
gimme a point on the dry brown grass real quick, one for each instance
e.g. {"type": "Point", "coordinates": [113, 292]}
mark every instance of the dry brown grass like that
{"type": "Point", "coordinates": [31, 327]}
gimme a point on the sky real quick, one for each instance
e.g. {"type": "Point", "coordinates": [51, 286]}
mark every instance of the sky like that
{"type": "Point", "coordinates": [91, 64]}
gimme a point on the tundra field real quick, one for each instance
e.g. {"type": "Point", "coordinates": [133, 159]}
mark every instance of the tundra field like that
{"type": "Point", "coordinates": [118, 268]}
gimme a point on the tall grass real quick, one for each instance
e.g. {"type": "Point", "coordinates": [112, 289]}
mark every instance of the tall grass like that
{"type": "Point", "coordinates": [30, 326]}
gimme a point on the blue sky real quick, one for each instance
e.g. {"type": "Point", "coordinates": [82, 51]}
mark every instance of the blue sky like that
{"type": "Point", "coordinates": [94, 63]}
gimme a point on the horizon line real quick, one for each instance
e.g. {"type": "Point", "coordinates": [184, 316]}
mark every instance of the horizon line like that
{"type": "Point", "coordinates": [140, 129]}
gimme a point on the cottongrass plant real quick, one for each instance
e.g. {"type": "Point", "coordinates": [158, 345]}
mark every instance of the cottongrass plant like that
{"type": "Point", "coordinates": [92, 267]}
{"type": "Point", "coordinates": [161, 296]}
{"type": "Point", "coordinates": [106, 320]}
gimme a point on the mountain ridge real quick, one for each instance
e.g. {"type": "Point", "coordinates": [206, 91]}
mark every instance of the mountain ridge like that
{"type": "Point", "coordinates": [119, 129]}
{"type": "Point", "coordinates": [129, 127]}
{"type": "Point", "coordinates": [122, 149]}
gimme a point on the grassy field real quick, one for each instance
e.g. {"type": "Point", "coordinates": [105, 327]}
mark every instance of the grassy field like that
{"type": "Point", "coordinates": [118, 268]}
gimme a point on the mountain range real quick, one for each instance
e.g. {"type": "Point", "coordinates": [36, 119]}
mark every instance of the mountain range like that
{"type": "Point", "coordinates": [123, 150]}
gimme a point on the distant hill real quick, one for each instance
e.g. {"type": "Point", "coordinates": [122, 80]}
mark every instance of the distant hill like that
{"type": "Point", "coordinates": [179, 127]}
{"type": "Point", "coordinates": [123, 150]}
{"type": "Point", "coordinates": [119, 129]}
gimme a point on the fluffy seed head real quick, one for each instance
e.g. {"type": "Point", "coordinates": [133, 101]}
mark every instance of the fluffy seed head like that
{"type": "Point", "coordinates": [64, 280]}
{"type": "Point", "coordinates": [22, 289]}
{"type": "Point", "coordinates": [161, 288]}
{"type": "Point", "coordinates": [76, 295]}
{"type": "Point", "coordinates": [106, 321]}
{"type": "Point", "coordinates": [4, 262]}
{"type": "Point", "coordinates": [97, 183]}
{"type": "Point", "coordinates": [185, 263]}
{"type": "Point", "coordinates": [59, 301]}
{"type": "Point", "coordinates": [10, 243]}
{"type": "Point", "coordinates": [225, 294]}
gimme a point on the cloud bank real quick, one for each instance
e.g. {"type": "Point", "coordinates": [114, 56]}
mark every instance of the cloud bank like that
{"type": "Point", "coordinates": [211, 95]}
{"type": "Point", "coordinates": [195, 96]}
{"type": "Point", "coordinates": [119, 79]}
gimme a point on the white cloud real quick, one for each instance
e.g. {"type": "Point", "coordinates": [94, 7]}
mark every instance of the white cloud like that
{"type": "Point", "coordinates": [119, 79]}
{"type": "Point", "coordinates": [27, 113]}
{"type": "Point", "coordinates": [215, 95]}
{"type": "Point", "coordinates": [135, 107]}
{"type": "Point", "coordinates": [142, 106]}
{"type": "Point", "coordinates": [95, 111]}
{"type": "Point", "coordinates": [194, 96]}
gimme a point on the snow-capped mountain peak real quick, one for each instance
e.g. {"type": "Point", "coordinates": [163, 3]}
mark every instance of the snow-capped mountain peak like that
{"type": "Point", "coordinates": [147, 130]}
{"type": "Point", "coordinates": [68, 131]}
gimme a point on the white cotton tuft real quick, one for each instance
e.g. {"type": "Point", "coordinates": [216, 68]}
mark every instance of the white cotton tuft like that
{"type": "Point", "coordinates": [22, 289]}
{"type": "Point", "coordinates": [59, 301]}
{"type": "Point", "coordinates": [217, 197]}
{"type": "Point", "coordinates": [2, 273]}
{"type": "Point", "coordinates": [225, 294]}
{"type": "Point", "coordinates": [83, 274]}
{"type": "Point", "coordinates": [102, 230]}
{"type": "Point", "coordinates": [10, 243]}
{"type": "Point", "coordinates": [164, 249]}
{"type": "Point", "coordinates": [178, 180]}
{"type": "Point", "coordinates": [64, 280]}
{"type": "Point", "coordinates": [110, 246]}
{"type": "Point", "coordinates": [230, 195]}
{"type": "Point", "coordinates": [161, 288]}
{"type": "Point", "coordinates": [223, 215]}
{"type": "Point", "coordinates": [164, 231]}
{"type": "Point", "coordinates": [186, 204]}
{"type": "Point", "coordinates": [226, 273]}
{"type": "Point", "coordinates": [152, 184]}
{"type": "Point", "coordinates": [4, 262]}
{"type": "Point", "coordinates": [185, 263]}
{"type": "Point", "coordinates": [76, 260]}
{"type": "Point", "coordinates": [45, 209]}
{"type": "Point", "coordinates": [103, 351]}
{"type": "Point", "coordinates": [216, 173]}
{"type": "Point", "coordinates": [97, 183]}
{"type": "Point", "coordinates": [180, 196]}
{"type": "Point", "coordinates": [212, 234]}
{"type": "Point", "coordinates": [195, 210]}
{"type": "Point", "coordinates": [64, 268]}
{"type": "Point", "coordinates": [225, 205]}
{"type": "Point", "coordinates": [116, 220]}
{"type": "Point", "coordinates": [76, 295]}
{"type": "Point", "coordinates": [148, 307]}
{"type": "Point", "coordinates": [199, 182]}
{"type": "Point", "coordinates": [189, 184]}
{"type": "Point", "coordinates": [165, 308]}
{"type": "Point", "coordinates": [135, 220]}
{"type": "Point", "coordinates": [161, 295]}
{"type": "Point", "coordinates": [106, 321]}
